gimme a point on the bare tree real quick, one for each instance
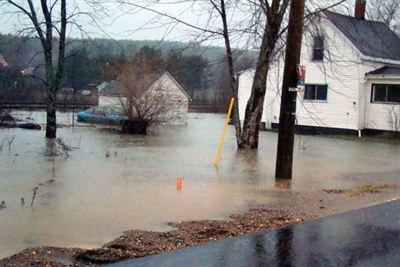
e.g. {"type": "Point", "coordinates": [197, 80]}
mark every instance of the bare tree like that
{"type": "Point", "coordinates": [221, 9]}
{"type": "Point", "coordinates": [386, 11]}
{"type": "Point", "coordinates": [143, 94]}
{"type": "Point", "coordinates": [263, 27]}
{"type": "Point", "coordinates": [45, 22]}
{"type": "Point", "coordinates": [274, 13]}
{"type": "Point", "coordinates": [269, 16]}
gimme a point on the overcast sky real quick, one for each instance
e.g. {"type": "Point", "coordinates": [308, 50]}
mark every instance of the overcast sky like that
{"type": "Point", "coordinates": [120, 21]}
{"type": "Point", "coordinates": [129, 22]}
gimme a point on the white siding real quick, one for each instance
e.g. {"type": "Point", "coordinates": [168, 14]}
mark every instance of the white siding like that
{"type": "Point", "coordinates": [377, 114]}
{"type": "Point", "coordinates": [177, 101]}
{"type": "Point", "coordinates": [273, 92]}
{"type": "Point", "coordinates": [365, 96]}
{"type": "Point", "coordinates": [244, 90]}
{"type": "Point", "coordinates": [342, 70]}
{"type": "Point", "coordinates": [107, 101]}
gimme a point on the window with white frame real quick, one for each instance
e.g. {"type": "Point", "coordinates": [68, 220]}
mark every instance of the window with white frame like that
{"type": "Point", "coordinates": [385, 93]}
{"type": "Point", "coordinates": [317, 92]}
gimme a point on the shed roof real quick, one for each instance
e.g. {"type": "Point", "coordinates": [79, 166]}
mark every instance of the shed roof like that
{"type": "Point", "coordinates": [115, 87]}
{"type": "Point", "coordinates": [372, 38]}
{"type": "Point", "coordinates": [386, 70]}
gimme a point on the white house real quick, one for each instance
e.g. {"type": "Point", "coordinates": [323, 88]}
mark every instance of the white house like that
{"type": "Point", "coordinates": [176, 99]}
{"type": "Point", "coordinates": [352, 80]}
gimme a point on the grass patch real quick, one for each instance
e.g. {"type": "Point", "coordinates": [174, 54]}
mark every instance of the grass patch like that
{"type": "Point", "coordinates": [370, 189]}
{"type": "Point", "coordinates": [359, 191]}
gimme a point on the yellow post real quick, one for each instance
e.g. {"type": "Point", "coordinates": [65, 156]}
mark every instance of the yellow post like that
{"type": "Point", "coordinates": [221, 144]}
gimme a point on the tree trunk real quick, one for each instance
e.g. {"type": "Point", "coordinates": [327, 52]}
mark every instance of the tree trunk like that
{"type": "Point", "coordinates": [233, 79]}
{"type": "Point", "coordinates": [51, 126]}
{"type": "Point", "coordinates": [255, 104]}
{"type": "Point", "coordinates": [44, 29]}
{"type": "Point", "coordinates": [54, 80]}
{"type": "Point", "coordinates": [248, 136]}
{"type": "Point", "coordinates": [284, 159]}
{"type": "Point", "coordinates": [251, 126]}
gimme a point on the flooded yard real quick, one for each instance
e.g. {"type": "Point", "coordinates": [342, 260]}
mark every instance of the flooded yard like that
{"type": "Point", "coordinates": [112, 182]}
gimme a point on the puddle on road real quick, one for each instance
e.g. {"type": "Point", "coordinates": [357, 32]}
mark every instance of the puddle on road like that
{"type": "Point", "coordinates": [94, 197]}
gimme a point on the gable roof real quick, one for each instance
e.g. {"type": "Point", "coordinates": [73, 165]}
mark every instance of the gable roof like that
{"type": "Point", "coordinates": [101, 86]}
{"type": "Point", "coordinates": [387, 70]}
{"type": "Point", "coordinates": [115, 87]}
{"type": "Point", "coordinates": [111, 88]}
{"type": "Point", "coordinates": [178, 84]}
{"type": "Point", "coordinates": [372, 38]}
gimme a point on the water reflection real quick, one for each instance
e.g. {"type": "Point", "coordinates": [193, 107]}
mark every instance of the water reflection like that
{"type": "Point", "coordinates": [283, 184]}
{"type": "Point", "coordinates": [368, 237]}
{"type": "Point", "coordinates": [248, 163]}
{"type": "Point", "coordinates": [284, 247]}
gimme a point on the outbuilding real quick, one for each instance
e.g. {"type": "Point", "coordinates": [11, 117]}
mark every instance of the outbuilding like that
{"type": "Point", "coordinates": [112, 96]}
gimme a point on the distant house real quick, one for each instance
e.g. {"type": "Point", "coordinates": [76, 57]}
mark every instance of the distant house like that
{"type": "Point", "coordinates": [111, 94]}
{"type": "Point", "coordinates": [353, 77]}
{"type": "Point", "coordinates": [3, 62]}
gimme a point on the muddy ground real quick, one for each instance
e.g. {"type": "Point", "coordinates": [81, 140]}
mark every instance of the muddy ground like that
{"type": "Point", "coordinates": [137, 243]}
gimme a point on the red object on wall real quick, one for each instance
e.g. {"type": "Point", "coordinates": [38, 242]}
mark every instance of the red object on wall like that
{"type": "Point", "coordinates": [302, 75]}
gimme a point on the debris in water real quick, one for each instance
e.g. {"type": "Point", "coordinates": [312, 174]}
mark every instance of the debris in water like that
{"type": "Point", "coordinates": [34, 194]}
{"type": "Point", "coordinates": [334, 191]}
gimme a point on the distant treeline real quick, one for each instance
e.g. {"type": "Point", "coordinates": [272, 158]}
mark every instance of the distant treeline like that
{"type": "Point", "coordinates": [201, 70]}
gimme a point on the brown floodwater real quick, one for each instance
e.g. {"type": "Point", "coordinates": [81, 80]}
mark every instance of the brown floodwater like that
{"type": "Point", "coordinates": [112, 182]}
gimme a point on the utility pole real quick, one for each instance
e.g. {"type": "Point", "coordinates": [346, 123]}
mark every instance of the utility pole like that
{"type": "Point", "coordinates": [284, 158]}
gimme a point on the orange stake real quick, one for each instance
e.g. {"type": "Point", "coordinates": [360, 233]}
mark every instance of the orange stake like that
{"type": "Point", "coordinates": [179, 183]}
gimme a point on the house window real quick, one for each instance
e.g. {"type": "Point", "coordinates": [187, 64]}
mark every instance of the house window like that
{"type": "Point", "coordinates": [316, 92]}
{"type": "Point", "coordinates": [386, 93]}
{"type": "Point", "coordinates": [318, 48]}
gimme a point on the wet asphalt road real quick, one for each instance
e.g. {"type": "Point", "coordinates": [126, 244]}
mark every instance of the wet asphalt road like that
{"type": "Point", "coordinates": [365, 237]}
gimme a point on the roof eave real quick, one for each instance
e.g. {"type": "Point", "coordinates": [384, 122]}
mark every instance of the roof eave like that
{"type": "Point", "coordinates": [380, 60]}
{"type": "Point", "coordinates": [383, 76]}
{"type": "Point", "coordinates": [110, 95]}
{"type": "Point", "coordinates": [179, 86]}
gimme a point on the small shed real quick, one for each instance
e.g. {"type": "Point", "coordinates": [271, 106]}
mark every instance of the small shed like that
{"type": "Point", "coordinates": [177, 99]}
